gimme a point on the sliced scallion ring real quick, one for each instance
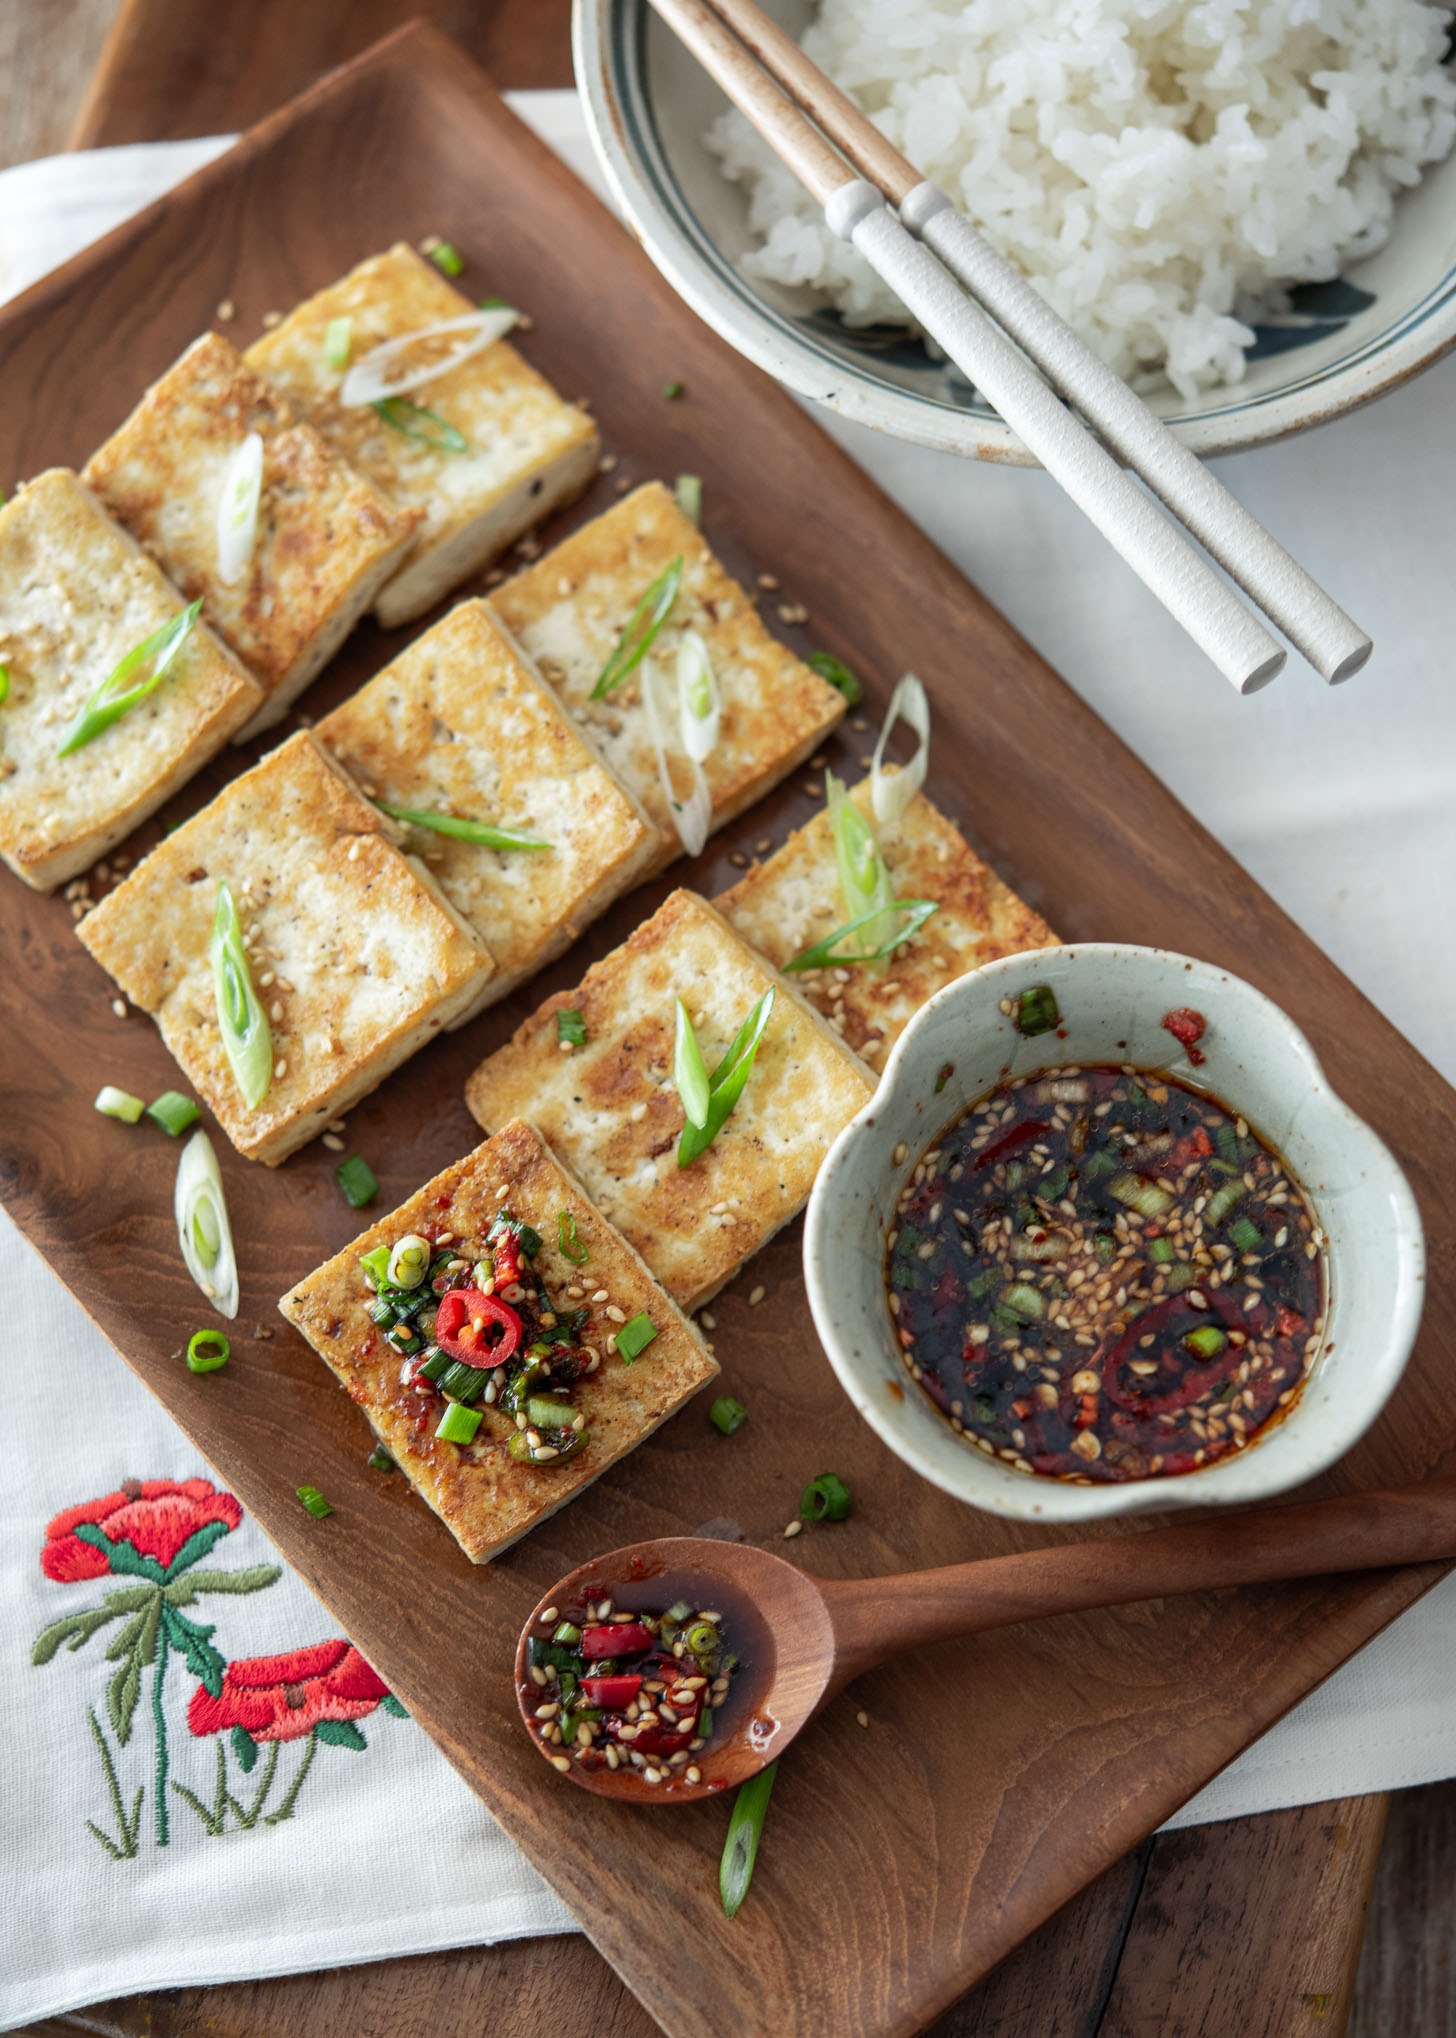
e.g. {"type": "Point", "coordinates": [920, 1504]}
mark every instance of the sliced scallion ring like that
{"type": "Point", "coordinates": [409, 1261]}
{"type": "Point", "coordinates": [821, 954]}
{"type": "Point", "coordinates": [892, 792]}
{"type": "Point", "coordinates": [247, 1038]}
{"type": "Point", "coordinates": [699, 708]}
{"type": "Point", "coordinates": [207, 1351]}
{"type": "Point", "coordinates": [483, 833]}
{"type": "Point", "coordinates": [727, 1082]}
{"type": "Point", "coordinates": [338, 342]}
{"type": "Point", "coordinates": [141, 672]}
{"type": "Point", "coordinates": [238, 500]}
{"type": "Point", "coordinates": [640, 630]}
{"type": "Point", "coordinates": [864, 882]}
{"type": "Point", "coordinates": [395, 366]}
{"type": "Point", "coordinates": [693, 816]}
{"type": "Point", "coordinates": [203, 1230]}
{"type": "Point", "coordinates": [114, 1103]}
{"type": "Point", "coordinates": [689, 1071]}
{"type": "Point", "coordinates": [4, 684]}
{"type": "Point", "coordinates": [689, 493]}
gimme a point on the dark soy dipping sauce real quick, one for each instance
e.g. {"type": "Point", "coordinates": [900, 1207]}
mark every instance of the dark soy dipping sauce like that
{"type": "Point", "coordinates": [1101, 1274]}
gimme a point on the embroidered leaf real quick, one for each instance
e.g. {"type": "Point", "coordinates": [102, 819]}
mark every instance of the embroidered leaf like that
{"type": "Point", "coordinates": [195, 1644]}
{"type": "Point", "coordinates": [76, 1628]}
{"type": "Point", "coordinates": [120, 1556]}
{"type": "Point", "coordinates": [341, 1734]}
{"type": "Point", "coordinates": [391, 1704]}
{"type": "Point", "coordinates": [124, 1849]}
{"type": "Point", "coordinates": [139, 1635]}
{"type": "Point", "coordinates": [122, 1694]}
{"type": "Point", "coordinates": [182, 1591]}
{"type": "Point", "coordinates": [246, 1750]}
{"type": "Point", "coordinates": [197, 1545]}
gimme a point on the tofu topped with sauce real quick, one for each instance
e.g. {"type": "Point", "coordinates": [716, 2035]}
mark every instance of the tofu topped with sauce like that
{"type": "Point", "coordinates": [78, 598]}
{"type": "Point", "coordinates": [309, 542]}
{"type": "Point", "coordinates": [485, 449]}
{"type": "Point", "coordinates": [352, 951]}
{"type": "Point", "coordinates": [460, 730]}
{"type": "Point", "coordinates": [574, 608]}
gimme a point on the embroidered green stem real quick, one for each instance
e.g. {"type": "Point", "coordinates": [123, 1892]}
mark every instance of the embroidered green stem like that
{"type": "Point", "coordinates": [161, 1721]}
{"type": "Point", "coordinates": [126, 1848]}
{"type": "Point", "coordinates": [216, 1819]}
{"type": "Point", "coordinates": [285, 1810]}
{"type": "Point", "coordinates": [249, 1818]}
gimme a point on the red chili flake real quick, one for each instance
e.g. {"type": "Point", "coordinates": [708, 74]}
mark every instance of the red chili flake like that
{"type": "Point", "coordinates": [1187, 1028]}
{"type": "Point", "coordinates": [1018, 1135]}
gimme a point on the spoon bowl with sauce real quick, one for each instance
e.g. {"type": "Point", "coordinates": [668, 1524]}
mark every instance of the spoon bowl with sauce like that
{"type": "Point", "coordinates": [784, 1643]}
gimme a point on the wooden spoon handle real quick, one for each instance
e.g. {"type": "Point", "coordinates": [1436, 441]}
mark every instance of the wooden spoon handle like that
{"type": "Point", "coordinates": [874, 1618]}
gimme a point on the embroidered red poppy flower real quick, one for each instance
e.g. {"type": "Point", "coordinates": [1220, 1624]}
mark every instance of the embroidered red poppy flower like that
{"type": "Point", "coordinates": [282, 1698]}
{"type": "Point", "coordinates": [156, 1516]}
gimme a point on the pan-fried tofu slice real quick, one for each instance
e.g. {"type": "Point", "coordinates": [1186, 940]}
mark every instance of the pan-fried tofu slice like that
{"type": "Point", "coordinates": [485, 1497]}
{"type": "Point", "coordinates": [460, 725]}
{"type": "Point", "coordinates": [327, 539]}
{"type": "Point", "coordinates": [569, 610]}
{"type": "Point", "coordinates": [353, 950]}
{"type": "Point", "coordinates": [76, 595]}
{"type": "Point", "coordinates": [611, 1110]}
{"type": "Point", "coordinates": [526, 451]}
{"type": "Point", "coordinates": [784, 905]}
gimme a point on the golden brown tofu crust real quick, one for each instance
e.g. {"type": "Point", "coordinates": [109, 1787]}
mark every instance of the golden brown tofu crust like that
{"type": "Point", "coordinates": [611, 1109]}
{"type": "Point", "coordinates": [792, 900]}
{"type": "Point", "coordinates": [569, 609]}
{"type": "Point", "coordinates": [327, 538]}
{"type": "Point", "coordinates": [483, 1495]}
{"type": "Point", "coordinates": [77, 593]}
{"type": "Point", "coordinates": [459, 724]}
{"type": "Point", "coordinates": [353, 950]}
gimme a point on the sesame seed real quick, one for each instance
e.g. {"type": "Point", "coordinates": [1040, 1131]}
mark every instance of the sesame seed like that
{"type": "Point", "coordinates": [550, 1615]}
{"type": "Point", "coordinates": [793, 1529]}
{"type": "Point", "coordinates": [756, 1297]}
{"type": "Point", "coordinates": [118, 1006]}
{"type": "Point", "coordinates": [863, 1718]}
{"type": "Point", "coordinates": [561, 1762]}
{"type": "Point", "coordinates": [333, 1142]}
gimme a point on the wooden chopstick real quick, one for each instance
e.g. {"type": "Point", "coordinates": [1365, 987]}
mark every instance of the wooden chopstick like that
{"type": "Point", "coordinates": [732, 39]}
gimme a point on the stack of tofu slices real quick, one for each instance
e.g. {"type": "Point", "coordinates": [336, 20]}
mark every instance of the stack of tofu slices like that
{"type": "Point", "coordinates": [368, 929]}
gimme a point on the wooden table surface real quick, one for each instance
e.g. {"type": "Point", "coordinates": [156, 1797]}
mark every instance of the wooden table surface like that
{"type": "Point", "coordinates": [1252, 1927]}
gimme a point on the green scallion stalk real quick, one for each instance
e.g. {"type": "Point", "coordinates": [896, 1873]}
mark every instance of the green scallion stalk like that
{"type": "Point", "coordinates": [745, 1829]}
{"type": "Point", "coordinates": [570, 1027]}
{"type": "Point", "coordinates": [1245, 1234]}
{"type": "Point", "coordinates": [727, 1082]}
{"type": "Point", "coordinates": [820, 954]}
{"type": "Point", "coordinates": [689, 1071]}
{"type": "Point", "coordinates": [483, 833]}
{"type": "Point", "coordinates": [415, 422]}
{"type": "Point", "coordinates": [207, 1350]}
{"type": "Point", "coordinates": [1024, 1301]}
{"type": "Point", "coordinates": [379, 1460]}
{"type": "Point", "coordinates": [313, 1501]}
{"type": "Point", "coordinates": [447, 258]}
{"type": "Point", "coordinates": [140, 673]}
{"type": "Point", "coordinates": [114, 1103]}
{"type": "Point", "coordinates": [672, 391]}
{"type": "Point", "coordinates": [357, 1180]}
{"type": "Point", "coordinates": [689, 494]}
{"type": "Point", "coordinates": [338, 342]}
{"type": "Point", "coordinates": [246, 1037]}
{"type": "Point", "coordinates": [641, 630]}
{"type": "Point", "coordinates": [838, 674]}
{"type": "Point", "coordinates": [462, 1382]}
{"type": "Point", "coordinates": [203, 1231]}
{"type": "Point", "coordinates": [1146, 1198]}
{"type": "Point", "coordinates": [1160, 1251]}
{"type": "Point", "coordinates": [1036, 1010]}
{"type": "Point", "coordinates": [865, 884]}
{"type": "Point", "coordinates": [1222, 1201]}
{"type": "Point", "coordinates": [4, 684]}
{"type": "Point", "coordinates": [566, 1632]}
{"type": "Point", "coordinates": [173, 1112]}
{"type": "Point", "coordinates": [635, 1336]}
{"type": "Point", "coordinates": [727, 1415]}
{"type": "Point", "coordinates": [825, 1499]}
{"type": "Point", "coordinates": [569, 1240]}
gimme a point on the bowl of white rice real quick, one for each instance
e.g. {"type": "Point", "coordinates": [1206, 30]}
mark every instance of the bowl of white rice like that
{"type": "Point", "coordinates": [1248, 207]}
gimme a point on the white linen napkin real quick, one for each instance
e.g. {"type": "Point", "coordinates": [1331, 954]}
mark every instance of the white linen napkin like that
{"type": "Point", "coordinates": [1340, 802]}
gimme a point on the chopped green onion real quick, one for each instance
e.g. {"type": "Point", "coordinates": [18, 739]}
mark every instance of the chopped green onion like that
{"type": "Point", "coordinates": [1146, 1198]}
{"type": "Point", "coordinates": [376, 1266]}
{"type": "Point", "coordinates": [415, 422]}
{"type": "Point", "coordinates": [495, 304]}
{"type": "Point", "coordinates": [891, 793]}
{"type": "Point", "coordinates": [825, 1499]}
{"type": "Point", "coordinates": [203, 1231]}
{"type": "Point", "coordinates": [152, 659]}
{"type": "Point", "coordinates": [206, 1351]}
{"type": "Point", "coordinates": [434, 1365]}
{"type": "Point", "coordinates": [447, 258]}
{"type": "Point", "coordinates": [1036, 1010]}
{"type": "Point", "coordinates": [570, 1027]}
{"type": "Point", "coordinates": [727, 1083]}
{"type": "Point", "coordinates": [458, 1424]}
{"type": "Point", "coordinates": [239, 498]}
{"type": "Point", "coordinates": [703, 1638]}
{"type": "Point", "coordinates": [1222, 1201]}
{"type": "Point", "coordinates": [4, 684]}
{"type": "Point", "coordinates": [483, 833]}
{"type": "Point", "coordinates": [544, 1412]}
{"type": "Point", "coordinates": [820, 954]}
{"type": "Point", "coordinates": [865, 884]}
{"type": "Point", "coordinates": [689, 1071]}
{"type": "Point", "coordinates": [114, 1103]}
{"type": "Point", "coordinates": [745, 1829]}
{"type": "Point", "coordinates": [1180, 1276]}
{"type": "Point", "coordinates": [838, 674]}
{"type": "Point", "coordinates": [1105, 1247]}
{"type": "Point", "coordinates": [379, 1460]}
{"type": "Point", "coordinates": [386, 372]}
{"type": "Point", "coordinates": [409, 1261]}
{"type": "Point", "coordinates": [678, 1611]}
{"type": "Point", "coordinates": [1099, 1162]}
{"type": "Point", "coordinates": [462, 1382]}
{"type": "Point", "coordinates": [357, 1180]}
{"type": "Point", "coordinates": [246, 1038]}
{"type": "Point", "coordinates": [1246, 1235]}
{"type": "Point", "coordinates": [705, 1723]}
{"type": "Point", "coordinates": [338, 340]}
{"type": "Point", "coordinates": [173, 1112]}
{"type": "Point", "coordinates": [689, 493]}
{"type": "Point", "coordinates": [635, 1336]}
{"type": "Point", "coordinates": [313, 1501]}
{"type": "Point", "coordinates": [641, 630]}
{"type": "Point", "coordinates": [1160, 1251]}
{"type": "Point", "coordinates": [699, 708]}
{"type": "Point", "coordinates": [1024, 1300]}
{"type": "Point", "coordinates": [672, 391]}
{"type": "Point", "coordinates": [1207, 1341]}
{"type": "Point", "coordinates": [569, 1242]}
{"type": "Point", "coordinates": [566, 1631]}
{"type": "Point", "coordinates": [727, 1414]}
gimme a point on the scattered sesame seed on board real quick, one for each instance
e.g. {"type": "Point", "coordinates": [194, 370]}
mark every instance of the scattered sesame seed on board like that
{"type": "Point", "coordinates": [794, 1528]}
{"type": "Point", "coordinates": [756, 1297]}
{"type": "Point", "coordinates": [118, 1006]}
{"type": "Point", "coordinates": [863, 1718]}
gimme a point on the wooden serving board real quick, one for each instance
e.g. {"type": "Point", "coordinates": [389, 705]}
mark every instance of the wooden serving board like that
{"type": "Point", "coordinates": [995, 1778]}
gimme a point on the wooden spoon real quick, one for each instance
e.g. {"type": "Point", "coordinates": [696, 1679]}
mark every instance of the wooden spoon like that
{"type": "Point", "coordinates": [800, 1640]}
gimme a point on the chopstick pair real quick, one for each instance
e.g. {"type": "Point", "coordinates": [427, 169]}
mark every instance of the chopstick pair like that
{"type": "Point", "coordinates": [999, 331]}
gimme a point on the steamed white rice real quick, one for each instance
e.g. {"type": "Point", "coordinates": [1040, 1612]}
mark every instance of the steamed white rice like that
{"type": "Point", "coordinates": [1157, 169]}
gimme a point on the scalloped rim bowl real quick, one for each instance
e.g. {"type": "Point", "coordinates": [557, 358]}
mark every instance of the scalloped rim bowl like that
{"type": "Point", "coordinates": [1112, 998]}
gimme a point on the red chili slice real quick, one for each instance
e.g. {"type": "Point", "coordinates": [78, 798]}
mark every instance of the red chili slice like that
{"type": "Point", "coordinates": [612, 1692]}
{"type": "Point", "coordinates": [1019, 1135]}
{"type": "Point", "coordinates": [665, 1740]}
{"type": "Point", "coordinates": [1187, 1028]}
{"type": "Point", "coordinates": [506, 1259]}
{"type": "Point", "coordinates": [461, 1309]}
{"type": "Point", "coordinates": [1196, 1380]}
{"type": "Point", "coordinates": [622, 1638]}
